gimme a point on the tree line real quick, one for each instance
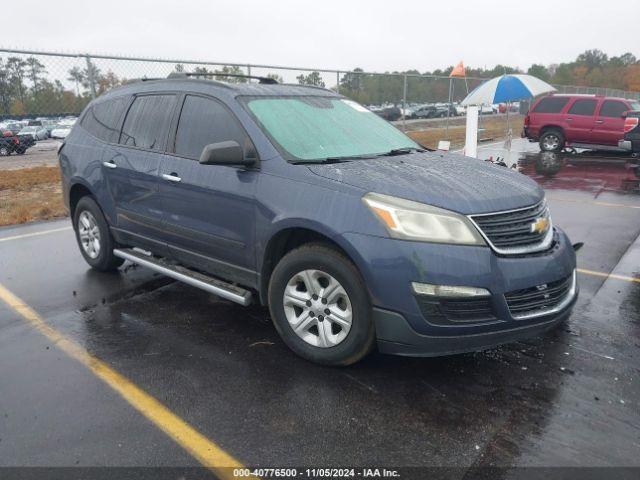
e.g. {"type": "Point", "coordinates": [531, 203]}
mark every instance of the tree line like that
{"type": "Point", "coordinates": [26, 87]}
{"type": "Point", "coordinates": [593, 68]}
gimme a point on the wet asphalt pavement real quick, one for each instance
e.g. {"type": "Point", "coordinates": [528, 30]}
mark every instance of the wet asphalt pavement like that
{"type": "Point", "coordinates": [570, 398]}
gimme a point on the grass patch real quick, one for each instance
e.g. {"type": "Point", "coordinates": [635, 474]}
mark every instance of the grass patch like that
{"type": "Point", "coordinates": [30, 194]}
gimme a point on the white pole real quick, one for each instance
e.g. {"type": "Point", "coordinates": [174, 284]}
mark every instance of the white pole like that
{"type": "Point", "coordinates": [507, 143]}
{"type": "Point", "coordinates": [449, 107]}
{"type": "Point", "coordinates": [471, 140]}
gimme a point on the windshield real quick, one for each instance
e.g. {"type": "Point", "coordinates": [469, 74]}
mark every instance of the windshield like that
{"type": "Point", "coordinates": [635, 106]}
{"type": "Point", "coordinates": [317, 128]}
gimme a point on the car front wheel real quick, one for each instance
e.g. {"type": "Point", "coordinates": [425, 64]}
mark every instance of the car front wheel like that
{"type": "Point", "coordinates": [320, 306]}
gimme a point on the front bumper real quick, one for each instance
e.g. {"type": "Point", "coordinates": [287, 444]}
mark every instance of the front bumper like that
{"type": "Point", "coordinates": [403, 325]}
{"type": "Point", "coordinates": [396, 337]}
{"type": "Point", "coordinates": [631, 141]}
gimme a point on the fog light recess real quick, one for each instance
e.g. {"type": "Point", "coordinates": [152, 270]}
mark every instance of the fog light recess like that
{"type": "Point", "coordinates": [448, 290]}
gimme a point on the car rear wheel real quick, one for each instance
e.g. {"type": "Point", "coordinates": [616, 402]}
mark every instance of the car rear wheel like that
{"type": "Point", "coordinates": [4, 151]}
{"type": "Point", "coordinates": [320, 306]}
{"type": "Point", "coordinates": [552, 141]}
{"type": "Point", "coordinates": [94, 237]}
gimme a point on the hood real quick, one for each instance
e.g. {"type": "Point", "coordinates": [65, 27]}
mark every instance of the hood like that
{"type": "Point", "coordinates": [451, 181]}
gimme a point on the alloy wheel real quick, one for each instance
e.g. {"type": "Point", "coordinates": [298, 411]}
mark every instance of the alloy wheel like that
{"type": "Point", "coordinates": [551, 142]}
{"type": "Point", "coordinates": [89, 234]}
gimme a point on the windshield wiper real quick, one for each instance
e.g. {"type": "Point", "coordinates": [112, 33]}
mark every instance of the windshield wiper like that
{"type": "Point", "coordinates": [401, 151]}
{"type": "Point", "coordinates": [346, 158]}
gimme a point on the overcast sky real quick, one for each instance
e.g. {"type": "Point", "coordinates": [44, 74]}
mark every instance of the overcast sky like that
{"type": "Point", "coordinates": [376, 35]}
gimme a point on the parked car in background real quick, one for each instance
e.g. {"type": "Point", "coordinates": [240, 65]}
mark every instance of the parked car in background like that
{"type": "Point", "coordinates": [301, 200]}
{"type": "Point", "coordinates": [390, 114]}
{"type": "Point", "coordinates": [443, 109]}
{"type": "Point", "coordinates": [581, 121]}
{"type": "Point", "coordinates": [426, 111]}
{"type": "Point", "coordinates": [36, 132]}
{"type": "Point", "coordinates": [15, 144]}
{"type": "Point", "coordinates": [514, 107]}
{"type": "Point", "coordinates": [61, 131]}
{"type": "Point", "coordinates": [487, 109]}
{"type": "Point", "coordinates": [50, 125]}
{"type": "Point", "coordinates": [409, 112]}
{"type": "Point", "coordinates": [631, 138]}
{"type": "Point", "coordinates": [12, 127]}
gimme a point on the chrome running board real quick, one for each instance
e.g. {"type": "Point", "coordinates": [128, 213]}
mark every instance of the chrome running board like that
{"type": "Point", "coordinates": [186, 275]}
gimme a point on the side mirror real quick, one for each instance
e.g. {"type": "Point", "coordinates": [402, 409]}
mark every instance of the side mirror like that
{"type": "Point", "coordinates": [225, 153]}
{"type": "Point", "coordinates": [625, 114]}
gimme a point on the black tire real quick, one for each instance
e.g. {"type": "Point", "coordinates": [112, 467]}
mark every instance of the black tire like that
{"type": "Point", "coordinates": [105, 261]}
{"type": "Point", "coordinates": [552, 140]}
{"type": "Point", "coordinates": [21, 151]}
{"type": "Point", "coordinates": [4, 151]}
{"type": "Point", "coordinates": [360, 339]}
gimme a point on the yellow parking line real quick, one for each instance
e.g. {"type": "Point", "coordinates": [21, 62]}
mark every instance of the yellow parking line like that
{"type": "Point", "coordinates": [595, 202]}
{"type": "Point", "coordinates": [204, 450]}
{"type": "Point", "coordinates": [609, 275]}
{"type": "Point", "coordinates": [34, 234]}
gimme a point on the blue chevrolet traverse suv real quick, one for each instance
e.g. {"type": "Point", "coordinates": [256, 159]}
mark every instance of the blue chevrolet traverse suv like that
{"type": "Point", "coordinates": [300, 199]}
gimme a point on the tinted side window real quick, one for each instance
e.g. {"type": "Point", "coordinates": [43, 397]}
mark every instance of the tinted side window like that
{"type": "Point", "coordinates": [204, 121]}
{"type": "Point", "coordinates": [551, 105]}
{"type": "Point", "coordinates": [583, 106]}
{"type": "Point", "coordinates": [147, 122]}
{"type": "Point", "coordinates": [102, 120]}
{"type": "Point", "coordinates": [613, 108]}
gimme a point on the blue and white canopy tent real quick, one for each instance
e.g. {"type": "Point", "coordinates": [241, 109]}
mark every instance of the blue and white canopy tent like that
{"type": "Point", "coordinates": [507, 89]}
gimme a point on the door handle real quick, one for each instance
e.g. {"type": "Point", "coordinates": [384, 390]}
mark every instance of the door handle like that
{"type": "Point", "coordinates": [172, 177]}
{"type": "Point", "coordinates": [569, 119]}
{"type": "Point", "coordinates": [109, 164]}
{"type": "Point", "coordinates": [599, 121]}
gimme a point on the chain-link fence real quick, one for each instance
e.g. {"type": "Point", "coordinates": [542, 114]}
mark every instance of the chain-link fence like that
{"type": "Point", "coordinates": [48, 84]}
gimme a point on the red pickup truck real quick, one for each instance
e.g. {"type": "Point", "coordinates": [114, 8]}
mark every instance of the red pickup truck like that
{"type": "Point", "coordinates": [580, 121]}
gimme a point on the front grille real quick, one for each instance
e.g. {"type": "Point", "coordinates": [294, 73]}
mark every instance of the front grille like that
{"type": "Point", "coordinates": [541, 299]}
{"type": "Point", "coordinates": [511, 232]}
{"type": "Point", "coordinates": [447, 311]}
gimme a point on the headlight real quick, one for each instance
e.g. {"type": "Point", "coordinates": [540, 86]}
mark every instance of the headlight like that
{"type": "Point", "coordinates": [417, 221]}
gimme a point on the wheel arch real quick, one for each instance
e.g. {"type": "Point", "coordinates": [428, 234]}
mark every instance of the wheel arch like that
{"type": "Point", "coordinates": [77, 190]}
{"type": "Point", "coordinates": [293, 235]}
{"type": "Point", "coordinates": [552, 126]}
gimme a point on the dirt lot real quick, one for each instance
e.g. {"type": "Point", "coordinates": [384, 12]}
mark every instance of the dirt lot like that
{"type": "Point", "coordinates": [491, 128]}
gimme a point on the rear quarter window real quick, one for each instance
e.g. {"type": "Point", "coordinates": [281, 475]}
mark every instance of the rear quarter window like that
{"type": "Point", "coordinates": [102, 120]}
{"type": "Point", "coordinates": [613, 108]}
{"type": "Point", "coordinates": [551, 105]}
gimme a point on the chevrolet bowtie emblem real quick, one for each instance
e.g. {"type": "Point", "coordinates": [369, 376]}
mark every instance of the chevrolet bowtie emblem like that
{"type": "Point", "coordinates": [540, 225]}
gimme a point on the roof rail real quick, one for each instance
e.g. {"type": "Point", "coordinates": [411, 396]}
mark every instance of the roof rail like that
{"type": "Point", "coordinates": [263, 80]}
